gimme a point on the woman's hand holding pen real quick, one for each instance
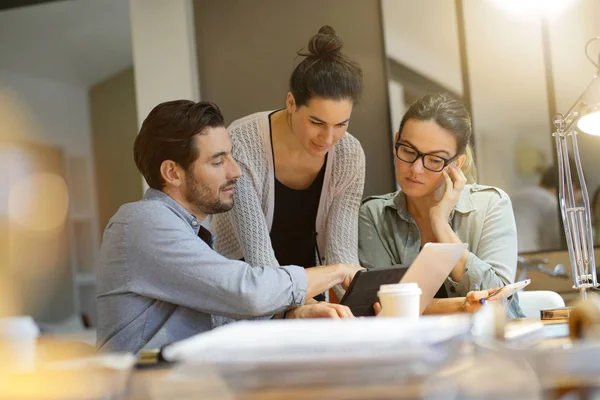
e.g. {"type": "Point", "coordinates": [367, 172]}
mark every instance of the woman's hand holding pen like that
{"type": "Point", "coordinates": [472, 302]}
{"type": "Point", "coordinates": [475, 299]}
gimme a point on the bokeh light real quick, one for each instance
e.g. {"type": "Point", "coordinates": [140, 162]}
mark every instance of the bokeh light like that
{"type": "Point", "coordinates": [549, 8]}
{"type": "Point", "coordinates": [39, 202]}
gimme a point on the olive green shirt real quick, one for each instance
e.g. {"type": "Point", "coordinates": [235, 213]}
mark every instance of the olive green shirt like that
{"type": "Point", "coordinates": [483, 218]}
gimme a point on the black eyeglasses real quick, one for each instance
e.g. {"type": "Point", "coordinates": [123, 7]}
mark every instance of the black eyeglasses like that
{"type": "Point", "coordinates": [431, 162]}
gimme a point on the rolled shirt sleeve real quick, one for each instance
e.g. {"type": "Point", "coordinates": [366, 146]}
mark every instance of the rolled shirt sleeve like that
{"type": "Point", "coordinates": [495, 264]}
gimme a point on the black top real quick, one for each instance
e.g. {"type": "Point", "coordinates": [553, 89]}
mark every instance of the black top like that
{"type": "Point", "coordinates": [442, 293]}
{"type": "Point", "coordinates": [293, 233]}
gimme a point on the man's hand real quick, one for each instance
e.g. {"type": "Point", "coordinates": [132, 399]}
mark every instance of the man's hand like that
{"type": "Point", "coordinates": [320, 310]}
{"type": "Point", "coordinates": [377, 308]}
{"type": "Point", "coordinates": [348, 271]}
{"type": "Point", "coordinates": [324, 278]}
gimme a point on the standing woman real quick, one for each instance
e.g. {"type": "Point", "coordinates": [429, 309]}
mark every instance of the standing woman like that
{"type": "Point", "coordinates": [439, 202]}
{"type": "Point", "coordinates": [303, 174]}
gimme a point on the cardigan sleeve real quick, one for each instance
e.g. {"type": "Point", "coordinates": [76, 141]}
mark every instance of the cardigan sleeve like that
{"type": "Point", "coordinates": [342, 219]}
{"type": "Point", "coordinates": [246, 223]}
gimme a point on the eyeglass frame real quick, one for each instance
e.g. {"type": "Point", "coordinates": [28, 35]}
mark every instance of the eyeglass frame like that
{"type": "Point", "coordinates": [422, 156]}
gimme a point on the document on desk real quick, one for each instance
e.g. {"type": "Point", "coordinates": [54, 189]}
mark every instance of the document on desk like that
{"type": "Point", "coordinates": [298, 341]}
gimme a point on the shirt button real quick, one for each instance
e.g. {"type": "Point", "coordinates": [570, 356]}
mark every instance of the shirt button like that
{"type": "Point", "coordinates": [194, 223]}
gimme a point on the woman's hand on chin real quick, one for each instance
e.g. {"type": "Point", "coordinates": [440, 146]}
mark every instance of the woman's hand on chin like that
{"type": "Point", "coordinates": [455, 182]}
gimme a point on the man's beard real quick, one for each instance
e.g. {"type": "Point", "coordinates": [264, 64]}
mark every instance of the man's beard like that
{"type": "Point", "coordinates": [201, 197]}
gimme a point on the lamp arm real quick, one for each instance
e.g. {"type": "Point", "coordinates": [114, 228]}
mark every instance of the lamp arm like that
{"type": "Point", "coordinates": [576, 214]}
{"type": "Point", "coordinates": [587, 54]}
{"type": "Point", "coordinates": [576, 217]}
{"type": "Point", "coordinates": [570, 119]}
{"type": "Point", "coordinates": [573, 114]}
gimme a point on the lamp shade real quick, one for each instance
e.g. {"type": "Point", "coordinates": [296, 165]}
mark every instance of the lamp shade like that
{"type": "Point", "coordinates": [589, 119]}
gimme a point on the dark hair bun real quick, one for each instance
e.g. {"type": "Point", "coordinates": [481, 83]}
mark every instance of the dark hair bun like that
{"type": "Point", "coordinates": [325, 71]}
{"type": "Point", "coordinates": [325, 44]}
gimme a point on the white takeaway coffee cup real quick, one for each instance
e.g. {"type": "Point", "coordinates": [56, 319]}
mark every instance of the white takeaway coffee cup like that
{"type": "Point", "coordinates": [400, 300]}
{"type": "Point", "coordinates": [18, 343]}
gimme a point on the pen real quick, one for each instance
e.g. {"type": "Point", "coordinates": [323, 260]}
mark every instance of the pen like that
{"type": "Point", "coordinates": [476, 287]}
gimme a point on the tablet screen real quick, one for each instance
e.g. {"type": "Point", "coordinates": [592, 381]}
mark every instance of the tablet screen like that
{"type": "Point", "coordinates": [362, 292]}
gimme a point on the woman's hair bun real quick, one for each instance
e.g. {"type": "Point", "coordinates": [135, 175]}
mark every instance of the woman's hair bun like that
{"type": "Point", "coordinates": [325, 71]}
{"type": "Point", "coordinates": [325, 44]}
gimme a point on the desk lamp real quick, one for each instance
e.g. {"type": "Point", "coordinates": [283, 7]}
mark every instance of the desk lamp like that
{"type": "Point", "coordinates": [584, 115]}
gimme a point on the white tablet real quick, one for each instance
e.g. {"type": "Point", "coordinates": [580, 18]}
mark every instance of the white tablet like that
{"type": "Point", "coordinates": [506, 291]}
{"type": "Point", "coordinates": [431, 268]}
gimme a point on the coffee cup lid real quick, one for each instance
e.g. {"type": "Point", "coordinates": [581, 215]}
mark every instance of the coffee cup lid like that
{"type": "Point", "coordinates": [400, 288]}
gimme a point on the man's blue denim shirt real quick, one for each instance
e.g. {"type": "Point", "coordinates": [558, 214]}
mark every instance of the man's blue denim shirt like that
{"type": "Point", "coordinates": [160, 281]}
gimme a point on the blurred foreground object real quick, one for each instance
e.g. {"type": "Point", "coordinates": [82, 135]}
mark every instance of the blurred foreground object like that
{"type": "Point", "coordinates": [584, 321]}
{"type": "Point", "coordinates": [54, 369]}
{"type": "Point", "coordinates": [18, 340]}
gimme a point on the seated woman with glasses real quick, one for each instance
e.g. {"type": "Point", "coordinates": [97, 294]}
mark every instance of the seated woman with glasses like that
{"type": "Point", "coordinates": [439, 203]}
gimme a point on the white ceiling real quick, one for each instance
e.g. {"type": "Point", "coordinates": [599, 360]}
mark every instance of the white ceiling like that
{"type": "Point", "coordinates": [75, 41]}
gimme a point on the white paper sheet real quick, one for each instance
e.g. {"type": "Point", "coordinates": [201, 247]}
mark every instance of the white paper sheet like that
{"type": "Point", "coordinates": [308, 340]}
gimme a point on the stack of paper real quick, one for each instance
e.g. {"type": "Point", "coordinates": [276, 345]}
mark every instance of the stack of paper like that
{"type": "Point", "coordinates": [358, 358]}
{"type": "Point", "coordinates": [298, 340]}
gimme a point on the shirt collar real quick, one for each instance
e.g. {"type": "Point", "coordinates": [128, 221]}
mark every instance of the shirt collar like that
{"type": "Point", "coordinates": [199, 230]}
{"type": "Point", "coordinates": [464, 206]}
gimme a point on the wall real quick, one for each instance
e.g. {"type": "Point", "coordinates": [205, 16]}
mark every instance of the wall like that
{"type": "Point", "coordinates": [57, 112]}
{"type": "Point", "coordinates": [44, 112]}
{"type": "Point", "coordinates": [506, 69]}
{"type": "Point", "coordinates": [423, 40]}
{"type": "Point", "coordinates": [164, 53]}
{"type": "Point", "coordinates": [508, 90]}
{"type": "Point", "coordinates": [247, 51]}
{"type": "Point", "coordinates": [114, 128]}
{"type": "Point", "coordinates": [573, 72]}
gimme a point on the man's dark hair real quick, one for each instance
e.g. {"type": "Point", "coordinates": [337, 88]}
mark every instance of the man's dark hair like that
{"type": "Point", "coordinates": [169, 132]}
{"type": "Point", "coordinates": [549, 179]}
